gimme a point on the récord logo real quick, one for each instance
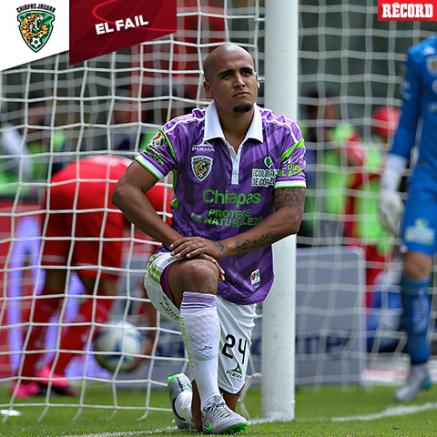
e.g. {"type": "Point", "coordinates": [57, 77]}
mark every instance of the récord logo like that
{"type": "Point", "coordinates": [418, 10]}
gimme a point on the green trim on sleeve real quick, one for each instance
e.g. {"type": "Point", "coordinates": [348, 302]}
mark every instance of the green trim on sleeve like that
{"type": "Point", "coordinates": [170, 145]}
{"type": "Point", "coordinates": [299, 145]}
{"type": "Point", "coordinates": [175, 201]}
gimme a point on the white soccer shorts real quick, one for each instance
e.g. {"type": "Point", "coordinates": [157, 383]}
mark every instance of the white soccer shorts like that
{"type": "Point", "coordinates": [236, 325]}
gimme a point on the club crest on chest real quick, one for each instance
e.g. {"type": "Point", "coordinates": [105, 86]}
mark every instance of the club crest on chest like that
{"type": "Point", "coordinates": [201, 166]}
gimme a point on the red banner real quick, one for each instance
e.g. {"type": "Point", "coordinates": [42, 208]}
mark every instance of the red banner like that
{"type": "Point", "coordinates": [414, 10]}
{"type": "Point", "coordinates": [103, 26]}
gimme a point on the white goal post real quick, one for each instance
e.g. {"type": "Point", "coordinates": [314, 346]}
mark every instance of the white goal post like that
{"type": "Point", "coordinates": [278, 334]}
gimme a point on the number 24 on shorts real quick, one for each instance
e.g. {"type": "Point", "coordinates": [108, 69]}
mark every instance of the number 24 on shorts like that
{"type": "Point", "coordinates": [229, 345]}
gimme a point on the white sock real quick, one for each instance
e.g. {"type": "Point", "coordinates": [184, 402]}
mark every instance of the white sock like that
{"type": "Point", "coordinates": [201, 332]}
{"type": "Point", "coordinates": [183, 405]}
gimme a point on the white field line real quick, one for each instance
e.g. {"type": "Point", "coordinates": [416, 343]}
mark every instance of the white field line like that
{"type": "Point", "coordinates": [390, 412]}
{"type": "Point", "coordinates": [10, 412]}
{"type": "Point", "coordinates": [126, 433]}
{"type": "Point", "coordinates": [158, 430]}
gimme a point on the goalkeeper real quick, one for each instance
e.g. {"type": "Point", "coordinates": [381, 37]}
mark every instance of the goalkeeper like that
{"type": "Point", "coordinates": [81, 230]}
{"type": "Point", "coordinates": [417, 124]}
{"type": "Point", "coordinates": [239, 187]}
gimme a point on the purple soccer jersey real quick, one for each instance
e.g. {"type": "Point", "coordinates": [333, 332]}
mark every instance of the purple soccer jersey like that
{"type": "Point", "coordinates": [219, 193]}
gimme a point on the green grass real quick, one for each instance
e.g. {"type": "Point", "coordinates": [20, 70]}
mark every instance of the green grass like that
{"type": "Point", "coordinates": [314, 413]}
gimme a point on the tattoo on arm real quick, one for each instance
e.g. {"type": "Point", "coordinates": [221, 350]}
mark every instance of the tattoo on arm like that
{"type": "Point", "coordinates": [262, 241]}
{"type": "Point", "coordinates": [284, 197]}
{"type": "Point", "coordinates": [220, 246]}
{"type": "Point", "coordinates": [290, 197]}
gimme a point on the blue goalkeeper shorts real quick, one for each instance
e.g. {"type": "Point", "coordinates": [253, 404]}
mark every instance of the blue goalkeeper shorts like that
{"type": "Point", "coordinates": [419, 224]}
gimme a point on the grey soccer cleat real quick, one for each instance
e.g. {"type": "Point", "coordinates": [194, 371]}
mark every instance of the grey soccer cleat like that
{"type": "Point", "coordinates": [418, 379]}
{"type": "Point", "coordinates": [176, 385]}
{"type": "Point", "coordinates": [218, 418]}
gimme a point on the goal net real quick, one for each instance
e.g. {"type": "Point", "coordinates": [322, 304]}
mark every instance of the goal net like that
{"type": "Point", "coordinates": [349, 85]}
{"type": "Point", "coordinates": [53, 113]}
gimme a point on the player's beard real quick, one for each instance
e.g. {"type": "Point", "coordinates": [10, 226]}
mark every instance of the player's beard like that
{"type": "Point", "coordinates": [244, 107]}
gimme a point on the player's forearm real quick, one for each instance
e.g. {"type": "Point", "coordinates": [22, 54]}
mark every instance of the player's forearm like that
{"type": "Point", "coordinates": [286, 221]}
{"type": "Point", "coordinates": [393, 171]}
{"type": "Point", "coordinates": [139, 211]}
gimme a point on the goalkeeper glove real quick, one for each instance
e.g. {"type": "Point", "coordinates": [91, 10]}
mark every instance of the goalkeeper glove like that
{"type": "Point", "coordinates": [390, 210]}
{"type": "Point", "coordinates": [390, 203]}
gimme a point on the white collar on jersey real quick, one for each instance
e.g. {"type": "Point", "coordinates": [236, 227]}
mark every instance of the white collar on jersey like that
{"type": "Point", "coordinates": [214, 130]}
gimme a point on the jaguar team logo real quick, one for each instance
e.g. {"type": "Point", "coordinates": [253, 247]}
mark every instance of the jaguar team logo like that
{"type": "Point", "coordinates": [201, 166]}
{"type": "Point", "coordinates": [36, 25]}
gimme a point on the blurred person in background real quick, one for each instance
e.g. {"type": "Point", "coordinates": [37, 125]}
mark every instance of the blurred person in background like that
{"type": "Point", "coordinates": [125, 131]}
{"type": "Point", "coordinates": [417, 127]}
{"type": "Point", "coordinates": [333, 154]}
{"type": "Point", "coordinates": [42, 139]}
{"type": "Point", "coordinates": [14, 165]}
{"type": "Point", "coordinates": [44, 143]}
{"type": "Point", "coordinates": [80, 228]}
{"type": "Point", "coordinates": [32, 156]}
{"type": "Point", "coordinates": [123, 126]}
{"type": "Point", "coordinates": [362, 225]}
{"type": "Point", "coordinates": [384, 122]}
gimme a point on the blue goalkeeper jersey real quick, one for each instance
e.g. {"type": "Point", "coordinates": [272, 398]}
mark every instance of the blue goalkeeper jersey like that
{"type": "Point", "coordinates": [418, 119]}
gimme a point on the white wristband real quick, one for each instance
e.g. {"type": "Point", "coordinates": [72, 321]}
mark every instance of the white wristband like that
{"type": "Point", "coordinates": [394, 169]}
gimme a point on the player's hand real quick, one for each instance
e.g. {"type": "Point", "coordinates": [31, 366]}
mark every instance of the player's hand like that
{"type": "Point", "coordinates": [190, 247]}
{"type": "Point", "coordinates": [198, 247]}
{"type": "Point", "coordinates": [390, 210]}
